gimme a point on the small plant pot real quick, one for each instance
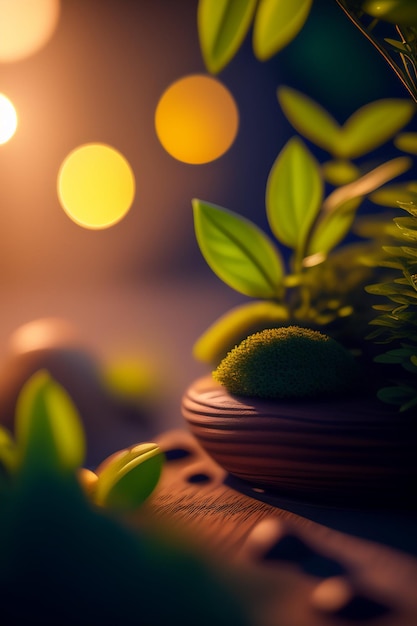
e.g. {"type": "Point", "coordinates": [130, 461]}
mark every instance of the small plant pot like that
{"type": "Point", "coordinates": [354, 450]}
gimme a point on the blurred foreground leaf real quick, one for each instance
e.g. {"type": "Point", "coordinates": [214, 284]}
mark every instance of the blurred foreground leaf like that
{"type": "Point", "coordinates": [8, 451]}
{"type": "Point", "coordinates": [406, 142]}
{"type": "Point", "coordinates": [402, 12]}
{"type": "Point", "coordinates": [49, 433]}
{"type": "Point", "coordinates": [340, 172]}
{"type": "Point", "coordinates": [277, 22]}
{"type": "Point", "coordinates": [391, 195]}
{"type": "Point", "coordinates": [222, 27]}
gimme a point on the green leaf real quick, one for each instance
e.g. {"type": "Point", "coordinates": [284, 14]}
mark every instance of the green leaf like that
{"type": "Point", "coordinates": [406, 317]}
{"type": "Point", "coordinates": [392, 263]}
{"type": "Point", "coordinates": [237, 251]}
{"type": "Point", "coordinates": [394, 356]}
{"type": "Point", "coordinates": [406, 142]}
{"type": "Point", "coordinates": [399, 46]}
{"type": "Point", "coordinates": [309, 118]}
{"type": "Point", "coordinates": [383, 289]}
{"type": "Point", "coordinates": [397, 395]}
{"type": "Point", "coordinates": [402, 12]}
{"type": "Point", "coordinates": [277, 22]}
{"type": "Point", "coordinates": [400, 311]}
{"type": "Point", "coordinates": [408, 227]}
{"type": "Point", "coordinates": [130, 378]}
{"type": "Point", "coordinates": [411, 278]}
{"type": "Point", "coordinates": [410, 207]}
{"type": "Point", "coordinates": [398, 293]}
{"type": "Point", "coordinates": [408, 298]}
{"type": "Point", "coordinates": [383, 307]}
{"type": "Point", "coordinates": [391, 195]}
{"type": "Point", "coordinates": [129, 477]}
{"type": "Point", "coordinates": [8, 451]}
{"type": "Point", "coordinates": [234, 326]}
{"type": "Point", "coordinates": [222, 27]}
{"type": "Point", "coordinates": [49, 433]}
{"type": "Point", "coordinates": [333, 228]}
{"type": "Point", "coordinates": [383, 320]}
{"type": "Point", "coordinates": [400, 252]}
{"type": "Point", "coordinates": [340, 172]}
{"type": "Point", "coordinates": [372, 125]}
{"type": "Point", "coordinates": [410, 404]}
{"type": "Point", "coordinates": [294, 194]}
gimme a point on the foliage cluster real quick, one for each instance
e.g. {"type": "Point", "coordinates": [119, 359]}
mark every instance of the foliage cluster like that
{"type": "Point", "coordinates": [70, 554]}
{"type": "Point", "coordinates": [397, 320]}
{"type": "Point", "coordinates": [300, 214]}
{"type": "Point", "coordinates": [224, 24]}
{"type": "Point", "coordinates": [310, 207]}
{"type": "Point", "coordinates": [49, 440]}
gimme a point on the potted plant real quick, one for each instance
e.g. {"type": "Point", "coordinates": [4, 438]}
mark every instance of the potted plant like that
{"type": "Point", "coordinates": [335, 443]}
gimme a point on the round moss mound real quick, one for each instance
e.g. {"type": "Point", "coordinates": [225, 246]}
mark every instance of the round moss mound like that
{"type": "Point", "coordinates": [289, 362]}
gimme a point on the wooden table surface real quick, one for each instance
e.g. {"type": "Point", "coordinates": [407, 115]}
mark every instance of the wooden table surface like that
{"type": "Point", "coordinates": [294, 563]}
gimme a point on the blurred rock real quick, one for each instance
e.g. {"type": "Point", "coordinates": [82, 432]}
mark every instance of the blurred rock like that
{"type": "Point", "coordinates": [55, 345]}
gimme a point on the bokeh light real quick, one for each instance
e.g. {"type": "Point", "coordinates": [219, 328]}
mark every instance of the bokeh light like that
{"type": "Point", "coordinates": [45, 333]}
{"type": "Point", "coordinates": [25, 27]}
{"type": "Point", "coordinates": [96, 186]}
{"type": "Point", "coordinates": [196, 119]}
{"type": "Point", "coordinates": [8, 119]}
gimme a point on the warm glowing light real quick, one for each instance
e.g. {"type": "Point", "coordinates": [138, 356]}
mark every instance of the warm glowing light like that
{"type": "Point", "coordinates": [43, 334]}
{"type": "Point", "coordinates": [96, 186]}
{"type": "Point", "coordinates": [196, 119]}
{"type": "Point", "coordinates": [8, 119]}
{"type": "Point", "coordinates": [25, 27]}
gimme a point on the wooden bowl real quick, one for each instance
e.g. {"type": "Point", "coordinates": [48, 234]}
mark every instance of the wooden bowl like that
{"type": "Point", "coordinates": [339, 451]}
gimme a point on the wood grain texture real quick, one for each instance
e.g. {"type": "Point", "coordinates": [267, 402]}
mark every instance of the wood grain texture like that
{"type": "Point", "coordinates": [237, 530]}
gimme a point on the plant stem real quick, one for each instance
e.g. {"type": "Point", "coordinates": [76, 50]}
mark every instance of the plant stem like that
{"type": "Point", "coordinates": [403, 73]}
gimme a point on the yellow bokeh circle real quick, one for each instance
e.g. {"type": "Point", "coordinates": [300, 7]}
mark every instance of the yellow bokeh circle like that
{"type": "Point", "coordinates": [25, 27]}
{"type": "Point", "coordinates": [8, 119]}
{"type": "Point", "coordinates": [196, 119]}
{"type": "Point", "coordinates": [96, 186]}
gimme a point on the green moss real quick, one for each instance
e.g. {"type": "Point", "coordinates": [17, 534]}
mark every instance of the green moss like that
{"type": "Point", "coordinates": [290, 362]}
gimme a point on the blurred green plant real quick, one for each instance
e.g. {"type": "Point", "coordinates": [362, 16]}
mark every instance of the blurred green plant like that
{"type": "Point", "coordinates": [304, 218]}
{"type": "Point", "coordinates": [224, 24]}
{"type": "Point", "coordinates": [49, 440]}
{"type": "Point", "coordinates": [70, 559]}
{"type": "Point", "coordinates": [397, 321]}
{"type": "Point", "coordinates": [132, 379]}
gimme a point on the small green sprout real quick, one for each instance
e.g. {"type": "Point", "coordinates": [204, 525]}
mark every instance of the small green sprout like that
{"type": "Point", "coordinates": [287, 362]}
{"type": "Point", "coordinates": [129, 477]}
